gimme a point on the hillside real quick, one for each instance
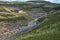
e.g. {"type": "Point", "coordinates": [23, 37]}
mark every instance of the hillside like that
{"type": "Point", "coordinates": [48, 30]}
{"type": "Point", "coordinates": [17, 17]}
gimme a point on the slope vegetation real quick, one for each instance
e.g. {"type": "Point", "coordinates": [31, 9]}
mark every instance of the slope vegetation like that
{"type": "Point", "coordinates": [47, 31]}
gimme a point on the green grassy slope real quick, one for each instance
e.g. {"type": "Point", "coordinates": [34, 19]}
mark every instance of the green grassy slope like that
{"type": "Point", "coordinates": [47, 31]}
